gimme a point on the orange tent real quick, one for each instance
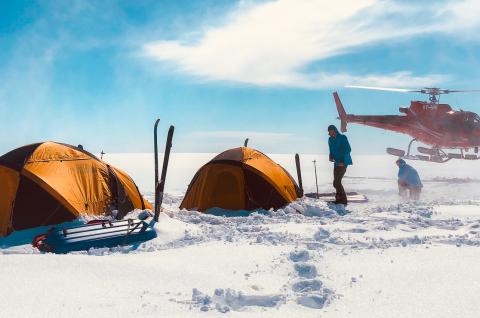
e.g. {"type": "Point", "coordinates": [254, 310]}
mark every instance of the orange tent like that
{"type": "Point", "coordinates": [49, 183]}
{"type": "Point", "coordinates": [240, 179]}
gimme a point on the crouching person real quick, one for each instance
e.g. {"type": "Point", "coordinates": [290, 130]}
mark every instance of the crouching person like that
{"type": "Point", "coordinates": [409, 183]}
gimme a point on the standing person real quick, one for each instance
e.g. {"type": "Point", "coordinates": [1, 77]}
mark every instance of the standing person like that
{"type": "Point", "coordinates": [408, 181]}
{"type": "Point", "coordinates": [340, 156]}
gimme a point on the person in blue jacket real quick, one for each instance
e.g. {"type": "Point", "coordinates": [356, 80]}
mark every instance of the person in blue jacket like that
{"type": "Point", "coordinates": [340, 155]}
{"type": "Point", "coordinates": [409, 183]}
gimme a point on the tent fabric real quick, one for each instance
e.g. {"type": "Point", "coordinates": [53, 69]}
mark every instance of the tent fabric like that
{"type": "Point", "coordinates": [49, 183]}
{"type": "Point", "coordinates": [131, 189]}
{"type": "Point", "coordinates": [87, 187]}
{"type": "Point", "coordinates": [8, 188]}
{"type": "Point", "coordinates": [240, 179]}
{"type": "Point", "coordinates": [216, 185]}
{"type": "Point", "coordinates": [34, 206]}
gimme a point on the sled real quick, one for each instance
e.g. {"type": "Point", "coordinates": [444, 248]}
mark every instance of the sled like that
{"type": "Point", "coordinates": [352, 197]}
{"type": "Point", "coordinates": [101, 234]}
{"type": "Point", "coordinates": [106, 233]}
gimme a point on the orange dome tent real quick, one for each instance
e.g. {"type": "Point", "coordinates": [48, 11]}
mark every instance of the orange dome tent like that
{"type": "Point", "coordinates": [240, 179]}
{"type": "Point", "coordinates": [49, 183]}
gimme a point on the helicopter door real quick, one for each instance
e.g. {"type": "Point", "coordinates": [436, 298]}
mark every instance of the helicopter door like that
{"type": "Point", "coordinates": [450, 123]}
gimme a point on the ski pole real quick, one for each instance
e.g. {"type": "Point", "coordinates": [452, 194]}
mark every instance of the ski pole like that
{"type": "Point", "coordinates": [316, 180]}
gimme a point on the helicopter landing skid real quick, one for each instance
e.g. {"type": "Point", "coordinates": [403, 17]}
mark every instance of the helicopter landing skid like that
{"type": "Point", "coordinates": [430, 154]}
{"type": "Point", "coordinates": [401, 154]}
{"type": "Point", "coordinates": [433, 158]}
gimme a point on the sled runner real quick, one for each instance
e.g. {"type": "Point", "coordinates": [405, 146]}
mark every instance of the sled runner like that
{"type": "Point", "coordinates": [106, 233]}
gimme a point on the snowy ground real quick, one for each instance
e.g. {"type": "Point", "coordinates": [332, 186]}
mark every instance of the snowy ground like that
{"type": "Point", "coordinates": [385, 258]}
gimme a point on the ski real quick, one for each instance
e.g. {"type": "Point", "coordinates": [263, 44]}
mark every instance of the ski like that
{"type": "Point", "coordinates": [299, 174]}
{"type": "Point", "coordinates": [161, 185]}
{"type": "Point", "coordinates": [155, 153]}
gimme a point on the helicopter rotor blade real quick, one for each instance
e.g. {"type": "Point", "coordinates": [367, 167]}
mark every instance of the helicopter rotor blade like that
{"type": "Point", "coordinates": [425, 90]}
{"type": "Point", "coordinates": [388, 89]}
{"type": "Point", "coordinates": [461, 91]}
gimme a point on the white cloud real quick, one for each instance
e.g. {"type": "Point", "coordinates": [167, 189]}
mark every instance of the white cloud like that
{"type": "Point", "coordinates": [269, 43]}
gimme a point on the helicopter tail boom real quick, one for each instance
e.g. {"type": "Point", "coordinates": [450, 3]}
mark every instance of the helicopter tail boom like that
{"type": "Point", "coordinates": [342, 115]}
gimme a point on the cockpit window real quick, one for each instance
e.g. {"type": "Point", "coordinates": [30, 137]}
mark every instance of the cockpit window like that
{"type": "Point", "coordinates": [470, 121]}
{"type": "Point", "coordinates": [476, 119]}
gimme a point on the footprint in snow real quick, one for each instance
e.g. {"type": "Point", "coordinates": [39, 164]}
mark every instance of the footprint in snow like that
{"type": "Point", "coordinates": [306, 270]}
{"type": "Point", "coordinates": [299, 256]}
{"type": "Point", "coordinates": [310, 291]}
{"type": "Point", "coordinates": [357, 230]}
{"type": "Point", "coordinates": [224, 300]}
{"type": "Point", "coordinates": [305, 286]}
{"type": "Point", "coordinates": [313, 301]}
{"type": "Point", "coordinates": [321, 234]}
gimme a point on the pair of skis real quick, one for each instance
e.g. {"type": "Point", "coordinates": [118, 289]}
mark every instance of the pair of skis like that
{"type": "Point", "coordinates": [106, 233]}
{"type": "Point", "coordinates": [160, 185]}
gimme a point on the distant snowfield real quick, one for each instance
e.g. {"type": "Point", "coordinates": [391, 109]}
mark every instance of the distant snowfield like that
{"type": "Point", "coordinates": [385, 258]}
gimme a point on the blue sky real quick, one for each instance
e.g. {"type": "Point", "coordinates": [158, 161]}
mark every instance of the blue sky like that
{"type": "Point", "coordinates": [99, 73]}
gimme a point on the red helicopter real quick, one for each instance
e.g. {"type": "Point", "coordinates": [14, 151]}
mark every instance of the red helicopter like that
{"type": "Point", "coordinates": [429, 122]}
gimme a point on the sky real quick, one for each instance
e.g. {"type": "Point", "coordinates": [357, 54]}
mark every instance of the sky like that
{"type": "Point", "coordinates": [98, 73]}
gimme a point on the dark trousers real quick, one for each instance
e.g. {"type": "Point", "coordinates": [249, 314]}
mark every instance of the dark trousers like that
{"type": "Point", "coordinates": [338, 173]}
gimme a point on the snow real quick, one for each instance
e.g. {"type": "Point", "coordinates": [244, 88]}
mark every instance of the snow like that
{"type": "Point", "coordinates": [438, 281]}
{"type": "Point", "coordinates": [465, 212]}
{"type": "Point", "coordinates": [383, 258]}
